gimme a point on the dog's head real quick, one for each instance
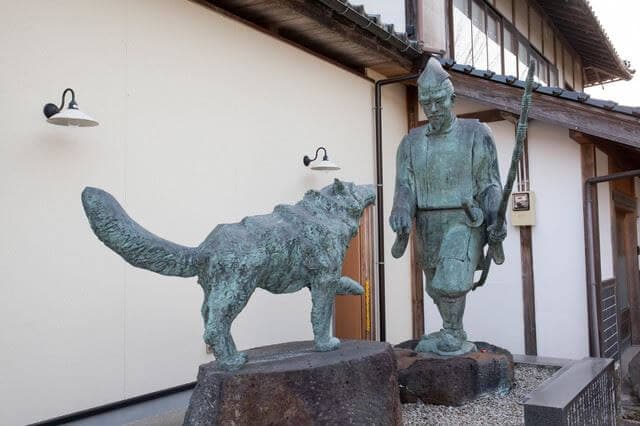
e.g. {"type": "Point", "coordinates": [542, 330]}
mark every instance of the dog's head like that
{"type": "Point", "coordinates": [353, 198]}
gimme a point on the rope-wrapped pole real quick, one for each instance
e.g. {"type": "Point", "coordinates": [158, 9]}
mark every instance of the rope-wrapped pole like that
{"type": "Point", "coordinates": [495, 252]}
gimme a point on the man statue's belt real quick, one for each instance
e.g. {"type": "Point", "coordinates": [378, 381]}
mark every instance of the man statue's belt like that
{"type": "Point", "coordinates": [475, 217]}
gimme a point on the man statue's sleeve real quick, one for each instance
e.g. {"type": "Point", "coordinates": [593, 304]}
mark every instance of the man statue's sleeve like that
{"type": "Point", "coordinates": [404, 198]}
{"type": "Point", "coordinates": [486, 174]}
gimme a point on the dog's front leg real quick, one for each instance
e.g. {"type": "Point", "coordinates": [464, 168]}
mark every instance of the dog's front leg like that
{"type": "Point", "coordinates": [226, 300]}
{"type": "Point", "coordinates": [322, 296]}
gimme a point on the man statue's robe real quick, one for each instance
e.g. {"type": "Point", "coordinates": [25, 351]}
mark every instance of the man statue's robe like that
{"type": "Point", "coordinates": [435, 175]}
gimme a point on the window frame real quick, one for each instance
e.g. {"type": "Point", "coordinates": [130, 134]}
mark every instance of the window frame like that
{"type": "Point", "coordinates": [517, 37]}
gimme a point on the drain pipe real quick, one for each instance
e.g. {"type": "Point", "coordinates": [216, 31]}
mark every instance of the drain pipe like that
{"type": "Point", "coordinates": [592, 286]}
{"type": "Point", "coordinates": [380, 201]}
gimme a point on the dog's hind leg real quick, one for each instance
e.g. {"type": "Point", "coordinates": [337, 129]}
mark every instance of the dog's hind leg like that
{"type": "Point", "coordinates": [225, 302]}
{"type": "Point", "coordinates": [322, 297]}
{"type": "Point", "coordinates": [204, 310]}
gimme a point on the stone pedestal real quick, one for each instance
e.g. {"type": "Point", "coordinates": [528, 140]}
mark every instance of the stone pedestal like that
{"type": "Point", "coordinates": [452, 380]}
{"type": "Point", "coordinates": [292, 384]}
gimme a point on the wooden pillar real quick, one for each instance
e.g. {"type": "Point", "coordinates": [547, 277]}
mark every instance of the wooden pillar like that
{"type": "Point", "coordinates": [526, 253]}
{"type": "Point", "coordinates": [528, 292]}
{"type": "Point", "coordinates": [624, 200]}
{"type": "Point", "coordinates": [413, 19]}
{"type": "Point", "coordinates": [417, 284]}
{"type": "Point", "coordinates": [588, 165]}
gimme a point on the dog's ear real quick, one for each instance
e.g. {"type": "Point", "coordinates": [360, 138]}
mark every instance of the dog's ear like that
{"type": "Point", "coordinates": [338, 186]}
{"type": "Point", "coordinates": [311, 193]}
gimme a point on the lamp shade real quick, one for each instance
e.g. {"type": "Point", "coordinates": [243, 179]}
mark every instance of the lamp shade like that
{"type": "Point", "coordinates": [72, 117]}
{"type": "Point", "coordinates": [325, 165]}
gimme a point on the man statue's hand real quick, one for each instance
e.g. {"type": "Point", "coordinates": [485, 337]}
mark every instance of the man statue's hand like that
{"type": "Point", "coordinates": [496, 236]}
{"type": "Point", "coordinates": [400, 221]}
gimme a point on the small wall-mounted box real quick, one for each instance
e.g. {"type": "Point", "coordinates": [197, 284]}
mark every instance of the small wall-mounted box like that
{"type": "Point", "coordinates": [523, 208]}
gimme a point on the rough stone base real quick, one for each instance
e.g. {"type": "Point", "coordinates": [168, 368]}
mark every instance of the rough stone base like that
{"type": "Point", "coordinates": [291, 384]}
{"type": "Point", "coordinates": [453, 380]}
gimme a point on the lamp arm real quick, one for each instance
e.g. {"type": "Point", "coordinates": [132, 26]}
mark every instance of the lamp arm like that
{"type": "Point", "coordinates": [64, 95]}
{"type": "Point", "coordinates": [306, 160]}
{"type": "Point", "coordinates": [51, 109]}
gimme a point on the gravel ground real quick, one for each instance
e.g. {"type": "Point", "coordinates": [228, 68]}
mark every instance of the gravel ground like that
{"type": "Point", "coordinates": [487, 410]}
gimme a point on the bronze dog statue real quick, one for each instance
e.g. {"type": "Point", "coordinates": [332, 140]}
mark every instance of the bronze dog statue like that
{"type": "Point", "coordinates": [295, 246]}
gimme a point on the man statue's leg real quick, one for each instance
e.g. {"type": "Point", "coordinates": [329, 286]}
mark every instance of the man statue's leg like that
{"type": "Point", "coordinates": [452, 311]}
{"type": "Point", "coordinates": [429, 342]}
{"type": "Point", "coordinates": [449, 295]}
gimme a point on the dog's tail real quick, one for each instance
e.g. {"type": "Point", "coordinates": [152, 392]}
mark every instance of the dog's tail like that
{"type": "Point", "coordinates": [136, 245]}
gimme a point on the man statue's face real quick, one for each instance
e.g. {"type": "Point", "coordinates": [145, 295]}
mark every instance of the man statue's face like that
{"type": "Point", "coordinates": [437, 105]}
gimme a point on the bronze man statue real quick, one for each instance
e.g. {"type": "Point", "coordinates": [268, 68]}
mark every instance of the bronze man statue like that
{"type": "Point", "coordinates": [447, 178]}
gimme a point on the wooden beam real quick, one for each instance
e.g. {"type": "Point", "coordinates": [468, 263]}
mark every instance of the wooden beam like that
{"type": "Point", "coordinates": [486, 116]}
{"type": "Point", "coordinates": [511, 118]}
{"type": "Point", "coordinates": [417, 283]}
{"type": "Point", "coordinates": [626, 158]}
{"type": "Point", "coordinates": [594, 121]}
{"type": "Point", "coordinates": [581, 138]}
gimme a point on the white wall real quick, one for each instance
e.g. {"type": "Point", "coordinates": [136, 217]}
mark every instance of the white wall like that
{"type": "Point", "coordinates": [397, 271]}
{"type": "Point", "coordinates": [604, 217]}
{"type": "Point", "coordinates": [558, 243]}
{"type": "Point", "coordinates": [495, 311]}
{"type": "Point", "coordinates": [434, 18]}
{"type": "Point", "coordinates": [202, 121]}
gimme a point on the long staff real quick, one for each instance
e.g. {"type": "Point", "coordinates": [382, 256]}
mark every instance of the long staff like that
{"type": "Point", "coordinates": [495, 252]}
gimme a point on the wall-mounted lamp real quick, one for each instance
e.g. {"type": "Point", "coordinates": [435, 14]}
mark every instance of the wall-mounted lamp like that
{"type": "Point", "coordinates": [71, 116]}
{"type": "Point", "coordinates": [325, 164]}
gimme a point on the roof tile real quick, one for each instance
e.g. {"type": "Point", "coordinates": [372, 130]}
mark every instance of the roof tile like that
{"type": "Point", "coordinates": [581, 97]}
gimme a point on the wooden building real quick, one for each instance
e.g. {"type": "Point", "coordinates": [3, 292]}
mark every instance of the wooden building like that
{"type": "Point", "coordinates": [573, 137]}
{"type": "Point", "coordinates": [206, 109]}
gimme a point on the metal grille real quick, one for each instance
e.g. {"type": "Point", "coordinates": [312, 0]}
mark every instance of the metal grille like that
{"type": "Point", "coordinates": [596, 404]}
{"type": "Point", "coordinates": [609, 326]}
{"type": "Point", "coordinates": [581, 393]}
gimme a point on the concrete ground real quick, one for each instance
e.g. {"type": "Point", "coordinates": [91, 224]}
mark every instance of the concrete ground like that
{"type": "Point", "coordinates": [171, 418]}
{"type": "Point", "coordinates": [166, 410]}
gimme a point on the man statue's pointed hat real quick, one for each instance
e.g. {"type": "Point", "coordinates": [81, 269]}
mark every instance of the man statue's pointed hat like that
{"type": "Point", "coordinates": [433, 76]}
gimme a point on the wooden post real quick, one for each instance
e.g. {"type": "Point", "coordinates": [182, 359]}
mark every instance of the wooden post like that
{"type": "Point", "coordinates": [624, 201]}
{"type": "Point", "coordinates": [417, 284]}
{"type": "Point", "coordinates": [528, 292]}
{"type": "Point", "coordinates": [413, 19]}
{"type": "Point", "coordinates": [588, 164]}
{"type": "Point", "coordinates": [526, 252]}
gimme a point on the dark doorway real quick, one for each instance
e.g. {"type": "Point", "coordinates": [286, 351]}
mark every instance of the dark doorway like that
{"type": "Point", "coordinates": [622, 280]}
{"type": "Point", "coordinates": [627, 282]}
